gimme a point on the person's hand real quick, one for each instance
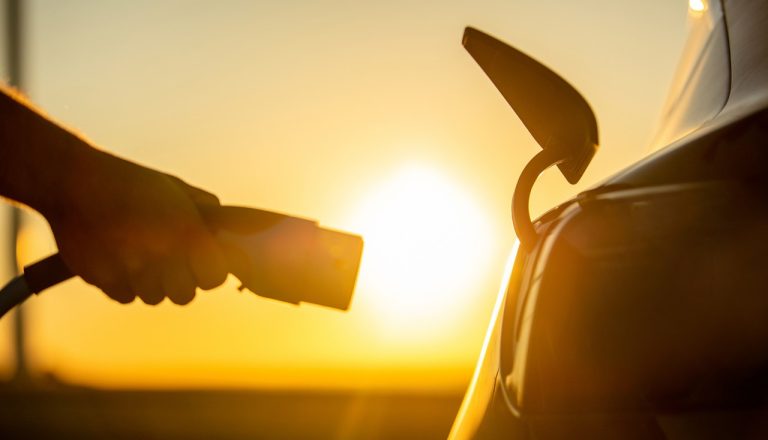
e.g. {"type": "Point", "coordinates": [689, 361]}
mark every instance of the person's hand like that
{"type": "Point", "coordinates": [132, 231]}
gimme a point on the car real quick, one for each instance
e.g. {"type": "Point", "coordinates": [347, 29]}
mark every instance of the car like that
{"type": "Point", "coordinates": [639, 308]}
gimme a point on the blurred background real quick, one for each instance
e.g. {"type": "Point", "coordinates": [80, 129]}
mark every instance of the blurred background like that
{"type": "Point", "coordinates": [367, 116]}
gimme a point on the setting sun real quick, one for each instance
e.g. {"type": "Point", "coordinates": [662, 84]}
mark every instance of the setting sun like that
{"type": "Point", "coordinates": [426, 244]}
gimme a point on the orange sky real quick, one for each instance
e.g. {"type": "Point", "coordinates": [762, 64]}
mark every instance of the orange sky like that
{"type": "Point", "coordinates": [366, 116]}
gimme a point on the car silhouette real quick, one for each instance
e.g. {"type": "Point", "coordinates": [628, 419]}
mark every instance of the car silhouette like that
{"type": "Point", "coordinates": [638, 309]}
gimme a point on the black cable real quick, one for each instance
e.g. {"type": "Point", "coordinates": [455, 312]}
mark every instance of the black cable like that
{"type": "Point", "coordinates": [36, 277]}
{"type": "Point", "coordinates": [13, 294]}
{"type": "Point", "coordinates": [521, 216]}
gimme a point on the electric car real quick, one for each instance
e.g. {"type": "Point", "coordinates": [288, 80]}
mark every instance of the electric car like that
{"type": "Point", "coordinates": [638, 309]}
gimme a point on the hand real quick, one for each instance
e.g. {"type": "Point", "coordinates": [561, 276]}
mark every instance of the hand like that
{"type": "Point", "coordinates": [132, 231]}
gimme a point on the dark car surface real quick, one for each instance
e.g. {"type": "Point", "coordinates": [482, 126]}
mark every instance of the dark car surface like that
{"type": "Point", "coordinates": [641, 311]}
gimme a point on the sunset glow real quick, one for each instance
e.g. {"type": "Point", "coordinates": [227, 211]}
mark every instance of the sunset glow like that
{"type": "Point", "coordinates": [427, 244]}
{"type": "Point", "coordinates": [369, 117]}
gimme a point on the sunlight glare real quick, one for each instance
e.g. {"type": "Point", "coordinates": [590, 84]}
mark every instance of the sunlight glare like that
{"type": "Point", "coordinates": [426, 247]}
{"type": "Point", "coordinates": [697, 5]}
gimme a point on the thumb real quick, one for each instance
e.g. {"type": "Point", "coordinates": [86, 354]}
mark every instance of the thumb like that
{"type": "Point", "coordinates": [200, 197]}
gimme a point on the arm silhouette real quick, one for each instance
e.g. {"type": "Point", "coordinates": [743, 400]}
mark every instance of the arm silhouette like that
{"type": "Point", "coordinates": [125, 228]}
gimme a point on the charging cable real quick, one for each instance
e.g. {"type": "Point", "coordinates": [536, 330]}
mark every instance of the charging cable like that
{"type": "Point", "coordinates": [36, 278]}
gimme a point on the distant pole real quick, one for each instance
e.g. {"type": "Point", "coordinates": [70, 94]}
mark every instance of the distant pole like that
{"type": "Point", "coordinates": [14, 26]}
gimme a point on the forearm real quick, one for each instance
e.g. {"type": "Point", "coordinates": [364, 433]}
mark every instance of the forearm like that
{"type": "Point", "coordinates": [38, 158]}
{"type": "Point", "coordinates": [128, 229]}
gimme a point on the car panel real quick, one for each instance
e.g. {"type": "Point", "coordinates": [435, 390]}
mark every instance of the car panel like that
{"type": "Point", "coordinates": [721, 150]}
{"type": "Point", "coordinates": [480, 394]}
{"type": "Point", "coordinates": [701, 85]}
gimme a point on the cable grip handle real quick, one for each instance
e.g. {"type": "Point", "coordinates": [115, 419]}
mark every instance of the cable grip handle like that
{"type": "Point", "coordinates": [46, 273]}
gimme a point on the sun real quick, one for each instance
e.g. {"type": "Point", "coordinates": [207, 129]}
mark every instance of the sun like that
{"type": "Point", "coordinates": [426, 248]}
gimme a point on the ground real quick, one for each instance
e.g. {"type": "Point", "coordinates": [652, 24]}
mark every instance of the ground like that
{"type": "Point", "coordinates": [84, 413]}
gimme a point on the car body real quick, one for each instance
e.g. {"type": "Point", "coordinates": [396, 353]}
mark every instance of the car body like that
{"type": "Point", "coordinates": [642, 310]}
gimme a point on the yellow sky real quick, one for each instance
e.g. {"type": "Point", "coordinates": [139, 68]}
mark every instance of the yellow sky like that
{"type": "Point", "coordinates": [368, 116]}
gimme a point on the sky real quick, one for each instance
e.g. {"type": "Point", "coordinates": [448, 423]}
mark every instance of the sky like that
{"type": "Point", "coordinates": [366, 116]}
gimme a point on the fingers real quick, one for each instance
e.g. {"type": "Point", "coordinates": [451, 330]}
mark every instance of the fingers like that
{"type": "Point", "coordinates": [105, 273]}
{"type": "Point", "coordinates": [116, 286]}
{"type": "Point", "coordinates": [204, 257]}
{"type": "Point", "coordinates": [142, 234]}
{"type": "Point", "coordinates": [170, 277]}
{"type": "Point", "coordinates": [196, 262]}
{"type": "Point", "coordinates": [121, 294]}
{"type": "Point", "coordinates": [206, 260]}
{"type": "Point", "coordinates": [147, 285]}
{"type": "Point", "coordinates": [238, 261]}
{"type": "Point", "coordinates": [178, 282]}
